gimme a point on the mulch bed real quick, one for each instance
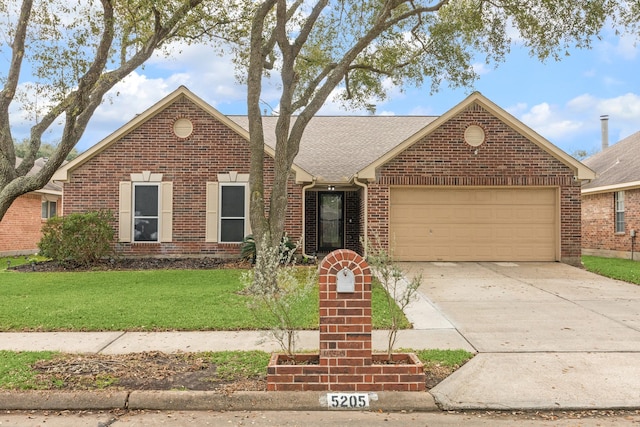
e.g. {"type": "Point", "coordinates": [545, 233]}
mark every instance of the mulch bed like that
{"type": "Point", "coordinates": [119, 264]}
{"type": "Point", "coordinates": [156, 370]}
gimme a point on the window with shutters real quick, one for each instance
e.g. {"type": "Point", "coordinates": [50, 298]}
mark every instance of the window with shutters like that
{"type": "Point", "coordinates": [145, 211]}
{"type": "Point", "coordinates": [227, 208]}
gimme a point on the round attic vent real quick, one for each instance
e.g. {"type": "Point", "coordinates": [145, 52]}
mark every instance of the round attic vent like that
{"type": "Point", "coordinates": [474, 135]}
{"type": "Point", "coordinates": [182, 128]}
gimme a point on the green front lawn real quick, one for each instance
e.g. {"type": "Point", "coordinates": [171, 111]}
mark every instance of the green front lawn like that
{"type": "Point", "coordinates": [14, 261]}
{"type": "Point", "coordinates": [616, 268]}
{"type": "Point", "coordinates": [142, 301]}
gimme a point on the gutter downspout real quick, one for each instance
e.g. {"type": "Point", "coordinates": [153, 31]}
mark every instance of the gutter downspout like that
{"type": "Point", "coordinates": [365, 200]}
{"type": "Point", "coordinates": [304, 210]}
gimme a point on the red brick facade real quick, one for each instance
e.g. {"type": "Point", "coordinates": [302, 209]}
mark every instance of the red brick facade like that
{"type": "Point", "coordinates": [20, 228]}
{"type": "Point", "coordinates": [213, 148]}
{"type": "Point", "coordinates": [506, 159]}
{"type": "Point", "coordinates": [599, 235]}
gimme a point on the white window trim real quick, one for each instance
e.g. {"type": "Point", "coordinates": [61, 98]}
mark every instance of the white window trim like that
{"type": "Point", "coordinates": [125, 208]}
{"type": "Point", "coordinates": [48, 202]}
{"type": "Point", "coordinates": [213, 204]}
{"type": "Point", "coordinates": [134, 216]}
{"type": "Point", "coordinates": [618, 201]}
{"type": "Point", "coordinates": [246, 209]}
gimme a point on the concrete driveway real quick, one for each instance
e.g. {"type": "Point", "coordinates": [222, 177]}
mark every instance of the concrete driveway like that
{"type": "Point", "coordinates": [548, 335]}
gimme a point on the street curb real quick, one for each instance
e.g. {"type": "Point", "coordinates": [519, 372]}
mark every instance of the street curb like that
{"type": "Point", "coordinates": [70, 400]}
{"type": "Point", "coordinates": [206, 401]}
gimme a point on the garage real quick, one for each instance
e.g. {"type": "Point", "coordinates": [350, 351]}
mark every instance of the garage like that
{"type": "Point", "coordinates": [474, 224]}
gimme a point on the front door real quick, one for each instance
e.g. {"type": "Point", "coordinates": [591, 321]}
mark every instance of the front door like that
{"type": "Point", "coordinates": [330, 221]}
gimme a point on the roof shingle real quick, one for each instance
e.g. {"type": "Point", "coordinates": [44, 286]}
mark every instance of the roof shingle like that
{"type": "Point", "coordinates": [334, 148]}
{"type": "Point", "coordinates": [618, 164]}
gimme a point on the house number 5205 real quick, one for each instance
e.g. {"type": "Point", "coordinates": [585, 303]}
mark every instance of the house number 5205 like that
{"type": "Point", "coordinates": [347, 400]}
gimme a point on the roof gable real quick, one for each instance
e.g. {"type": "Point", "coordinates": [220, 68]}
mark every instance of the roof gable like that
{"type": "Point", "coordinates": [617, 167]}
{"type": "Point", "coordinates": [581, 171]}
{"type": "Point", "coordinates": [63, 173]}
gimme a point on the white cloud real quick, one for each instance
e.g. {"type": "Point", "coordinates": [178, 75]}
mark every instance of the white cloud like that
{"type": "Point", "coordinates": [627, 47]}
{"type": "Point", "coordinates": [481, 68]}
{"type": "Point", "coordinates": [550, 121]}
{"type": "Point", "coordinates": [576, 124]}
{"type": "Point", "coordinates": [210, 75]}
{"type": "Point", "coordinates": [517, 109]}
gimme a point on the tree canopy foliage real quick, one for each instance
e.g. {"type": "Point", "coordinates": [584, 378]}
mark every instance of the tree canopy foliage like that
{"type": "Point", "coordinates": [66, 55]}
{"type": "Point", "coordinates": [46, 150]}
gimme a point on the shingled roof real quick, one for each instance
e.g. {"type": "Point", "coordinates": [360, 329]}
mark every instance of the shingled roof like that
{"type": "Point", "coordinates": [335, 148]}
{"type": "Point", "coordinates": [617, 167]}
{"type": "Point", "coordinates": [50, 187]}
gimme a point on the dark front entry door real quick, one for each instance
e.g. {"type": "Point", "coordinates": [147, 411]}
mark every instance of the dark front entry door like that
{"type": "Point", "coordinates": [330, 221]}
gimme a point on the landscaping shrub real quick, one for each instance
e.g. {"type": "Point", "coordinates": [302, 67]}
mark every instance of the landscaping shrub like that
{"type": "Point", "coordinates": [80, 239]}
{"type": "Point", "coordinates": [248, 249]}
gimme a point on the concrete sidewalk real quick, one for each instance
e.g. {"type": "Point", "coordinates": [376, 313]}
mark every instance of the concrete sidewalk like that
{"type": "Point", "coordinates": [548, 336]}
{"type": "Point", "coordinates": [173, 342]}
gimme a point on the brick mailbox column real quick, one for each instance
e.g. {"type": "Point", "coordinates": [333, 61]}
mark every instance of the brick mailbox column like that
{"type": "Point", "coordinates": [345, 310]}
{"type": "Point", "coordinates": [345, 362]}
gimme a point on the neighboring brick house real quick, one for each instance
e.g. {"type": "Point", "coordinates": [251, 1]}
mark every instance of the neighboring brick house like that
{"type": "Point", "coordinates": [611, 202]}
{"type": "Point", "coordinates": [20, 228]}
{"type": "Point", "coordinates": [474, 184]}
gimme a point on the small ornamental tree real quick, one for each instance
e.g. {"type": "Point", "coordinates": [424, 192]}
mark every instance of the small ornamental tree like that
{"type": "Point", "coordinates": [400, 290]}
{"type": "Point", "coordinates": [273, 302]}
{"type": "Point", "coordinates": [80, 239]}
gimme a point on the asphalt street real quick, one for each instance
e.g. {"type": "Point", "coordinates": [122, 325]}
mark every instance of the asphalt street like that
{"type": "Point", "coordinates": [318, 419]}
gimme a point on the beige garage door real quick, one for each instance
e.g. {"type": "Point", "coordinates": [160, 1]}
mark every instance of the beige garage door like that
{"type": "Point", "coordinates": [473, 224]}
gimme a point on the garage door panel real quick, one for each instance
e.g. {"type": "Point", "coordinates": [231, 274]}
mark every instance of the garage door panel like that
{"type": "Point", "coordinates": [473, 224]}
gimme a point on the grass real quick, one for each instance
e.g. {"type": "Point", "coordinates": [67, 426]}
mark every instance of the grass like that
{"type": "Point", "coordinates": [142, 301]}
{"type": "Point", "coordinates": [14, 261]}
{"type": "Point", "coordinates": [15, 369]}
{"type": "Point", "coordinates": [615, 268]}
{"type": "Point", "coordinates": [449, 358]}
{"type": "Point", "coordinates": [234, 364]}
{"type": "Point", "coordinates": [17, 373]}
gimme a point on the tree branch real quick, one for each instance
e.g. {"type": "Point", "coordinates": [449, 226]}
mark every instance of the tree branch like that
{"type": "Point", "coordinates": [8, 160]}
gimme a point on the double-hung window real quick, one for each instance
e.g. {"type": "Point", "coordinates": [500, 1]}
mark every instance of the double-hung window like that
{"type": "Point", "coordinates": [618, 198]}
{"type": "Point", "coordinates": [233, 212]}
{"type": "Point", "coordinates": [227, 208]}
{"type": "Point", "coordinates": [146, 202]}
{"type": "Point", "coordinates": [145, 209]}
{"type": "Point", "coordinates": [49, 209]}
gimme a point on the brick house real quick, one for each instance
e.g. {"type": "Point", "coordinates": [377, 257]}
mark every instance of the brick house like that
{"type": "Point", "coordinates": [611, 202]}
{"type": "Point", "coordinates": [473, 184]}
{"type": "Point", "coordinates": [20, 228]}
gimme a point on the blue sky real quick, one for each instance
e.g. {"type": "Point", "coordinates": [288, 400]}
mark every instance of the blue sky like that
{"type": "Point", "coordinates": [562, 101]}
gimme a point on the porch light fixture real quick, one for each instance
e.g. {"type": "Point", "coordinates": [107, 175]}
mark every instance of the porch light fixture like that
{"type": "Point", "coordinates": [330, 187]}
